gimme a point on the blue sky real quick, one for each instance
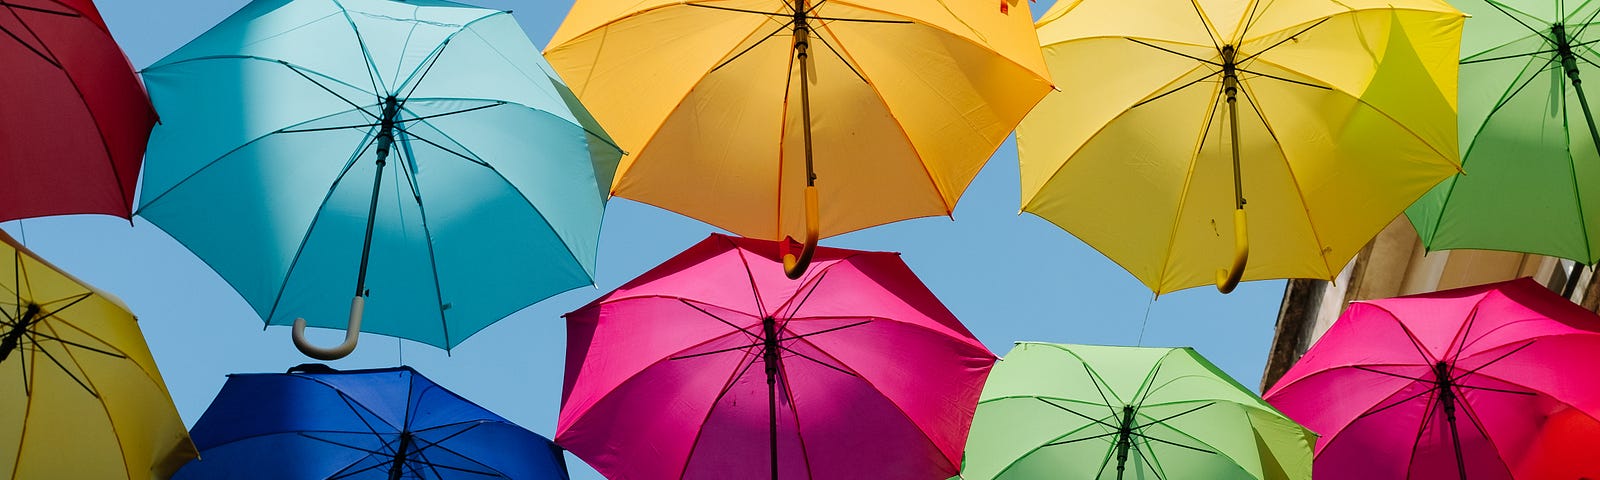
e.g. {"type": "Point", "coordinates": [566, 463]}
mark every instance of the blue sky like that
{"type": "Point", "coordinates": [1009, 277]}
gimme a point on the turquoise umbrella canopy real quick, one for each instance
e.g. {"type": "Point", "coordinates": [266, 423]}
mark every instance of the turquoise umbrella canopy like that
{"type": "Point", "coordinates": [419, 154]}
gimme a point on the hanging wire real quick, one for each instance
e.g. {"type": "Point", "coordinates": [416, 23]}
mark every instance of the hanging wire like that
{"type": "Point", "coordinates": [1146, 321]}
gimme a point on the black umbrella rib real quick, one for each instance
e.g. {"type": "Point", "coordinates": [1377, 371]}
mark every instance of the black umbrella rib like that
{"type": "Point", "coordinates": [40, 10]}
{"type": "Point", "coordinates": [846, 62]}
{"type": "Point", "coordinates": [714, 352]}
{"type": "Point", "coordinates": [753, 46]}
{"type": "Point", "coordinates": [1175, 52]}
{"type": "Point", "coordinates": [1586, 24]}
{"type": "Point", "coordinates": [1530, 28]}
{"type": "Point", "coordinates": [1179, 445]}
{"type": "Point", "coordinates": [72, 343]}
{"type": "Point", "coordinates": [1492, 362]}
{"type": "Point", "coordinates": [400, 121]}
{"type": "Point", "coordinates": [325, 88]}
{"type": "Point", "coordinates": [1076, 440]}
{"type": "Point", "coordinates": [1176, 90]}
{"type": "Point", "coordinates": [1096, 382]}
{"type": "Point", "coordinates": [1185, 412]}
{"type": "Point", "coordinates": [1282, 79]}
{"type": "Point", "coordinates": [409, 133]}
{"type": "Point", "coordinates": [719, 319]}
{"type": "Point", "coordinates": [1250, 18]}
{"type": "Point", "coordinates": [436, 466]}
{"type": "Point", "coordinates": [1397, 403]}
{"type": "Point", "coordinates": [433, 59]}
{"type": "Point", "coordinates": [1365, 368]}
{"type": "Point", "coordinates": [1207, 25]}
{"type": "Point", "coordinates": [741, 10]}
{"type": "Point", "coordinates": [796, 309]}
{"type": "Point", "coordinates": [1281, 42]}
{"type": "Point", "coordinates": [818, 362]}
{"type": "Point", "coordinates": [344, 445]}
{"type": "Point", "coordinates": [827, 330]}
{"type": "Point", "coordinates": [1490, 389]}
{"type": "Point", "coordinates": [1155, 468]}
{"type": "Point", "coordinates": [47, 58]}
{"type": "Point", "coordinates": [64, 369]}
{"type": "Point", "coordinates": [1075, 412]}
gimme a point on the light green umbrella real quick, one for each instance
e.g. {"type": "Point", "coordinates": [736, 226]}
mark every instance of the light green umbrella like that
{"type": "Point", "coordinates": [1090, 412]}
{"type": "Point", "coordinates": [1527, 135]}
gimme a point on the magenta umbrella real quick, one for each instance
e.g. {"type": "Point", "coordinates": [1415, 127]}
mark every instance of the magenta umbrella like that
{"type": "Point", "coordinates": [715, 365]}
{"type": "Point", "coordinates": [1446, 385]}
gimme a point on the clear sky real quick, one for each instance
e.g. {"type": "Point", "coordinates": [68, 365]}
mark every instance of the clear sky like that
{"type": "Point", "coordinates": [1009, 277]}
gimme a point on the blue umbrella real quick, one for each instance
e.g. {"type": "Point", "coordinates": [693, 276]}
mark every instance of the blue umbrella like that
{"type": "Point", "coordinates": [388, 423]}
{"type": "Point", "coordinates": [419, 151]}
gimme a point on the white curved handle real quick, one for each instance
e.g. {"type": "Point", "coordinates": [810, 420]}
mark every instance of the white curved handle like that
{"type": "Point", "coordinates": [352, 330]}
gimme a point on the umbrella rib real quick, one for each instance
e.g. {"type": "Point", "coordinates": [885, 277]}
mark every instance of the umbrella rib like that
{"type": "Point", "coordinates": [1155, 468]}
{"type": "Point", "coordinates": [1305, 205]}
{"type": "Point", "coordinates": [1519, 21]}
{"type": "Point", "coordinates": [1095, 380]}
{"type": "Point", "coordinates": [325, 88]}
{"type": "Point", "coordinates": [1497, 390]}
{"type": "Point", "coordinates": [401, 121]}
{"type": "Point", "coordinates": [1586, 24]}
{"type": "Point", "coordinates": [1205, 24]}
{"type": "Point", "coordinates": [1176, 90]}
{"type": "Point", "coordinates": [761, 306]}
{"type": "Point", "coordinates": [1185, 412]}
{"type": "Point", "coordinates": [1067, 442]}
{"type": "Point", "coordinates": [1188, 180]}
{"type": "Point", "coordinates": [1460, 343]}
{"type": "Point", "coordinates": [846, 62]}
{"type": "Point", "coordinates": [1275, 77]}
{"type": "Point", "coordinates": [72, 343]}
{"type": "Point", "coordinates": [1365, 368]}
{"type": "Point", "coordinates": [40, 10]}
{"type": "Point", "coordinates": [1492, 362]}
{"type": "Point", "coordinates": [1397, 403]}
{"type": "Point", "coordinates": [351, 473]}
{"type": "Point", "coordinates": [315, 219]}
{"type": "Point", "coordinates": [795, 310]}
{"type": "Point", "coordinates": [713, 352]}
{"type": "Point", "coordinates": [408, 156]}
{"type": "Point", "coordinates": [1175, 52]}
{"type": "Point", "coordinates": [686, 301]}
{"type": "Point", "coordinates": [753, 46]}
{"type": "Point", "coordinates": [1179, 445]}
{"type": "Point", "coordinates": [345, 445]}
{"type": "Point", "coordinates": [818, 362]}
{"type": "Point", "coordinates": [826, 330]}
{"type": "Point", "coordinates": [433, 59]}
{"type": "Point", "coordinates": [727, 385]}
{"type": "Point", "coordinates": [1075, 412]}
{"type": "Point", "coordinates": [64, 369]}
{"type": "Point", "coordinates": [741, 10]}
{"type": "Point", "coordinates": [1472, 417]}
{"type": "Point", "coordinates": [436, 466]}
{"type": "Point", "coordinates": [1147, 386]}
{"type": "Point", "coordinates": [366, 55]}
{"type": "Point", "coordinates": [1250, 18]}
{"type": "Point", "coordinates": [474, 159]}
{"type": "Point", "coordinates": [1507, 57]}
{"type": "Point", "coordinates": [794, 411]}
{"type": "Point", "coordinates": [1281, 42]}
{"type": "Point", "coordinates": [42, 56]}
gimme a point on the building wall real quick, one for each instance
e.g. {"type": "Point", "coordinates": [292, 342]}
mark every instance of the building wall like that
{"type": "Point", "coordinates": [1394, 264]}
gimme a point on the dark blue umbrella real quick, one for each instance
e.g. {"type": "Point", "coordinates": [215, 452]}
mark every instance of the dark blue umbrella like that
{"type": "Point", "coordinates": [391, 423]}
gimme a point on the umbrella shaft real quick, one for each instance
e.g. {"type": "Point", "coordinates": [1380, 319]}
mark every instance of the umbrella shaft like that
{"type": "Point", "coordinates": [769, 357]}
{"type": "Point", "coordinates": [1230, 88]}
{"type": "Point", "coordinates": [1447, 399]}
{"type": "Point", "coordinates": [802, 45]}
{"type": "Point", "coordinates": [397, 467]}
{"type": "Point", "coordinates": [391, 111]}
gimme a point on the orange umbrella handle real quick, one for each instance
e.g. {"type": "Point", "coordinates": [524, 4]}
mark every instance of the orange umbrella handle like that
{"type": "Point", "coordinates": [339, 351]}
{"type": "Point", "coordinates": [795, 267]}
{"type": "Point", "coordinates": [1229, 277]}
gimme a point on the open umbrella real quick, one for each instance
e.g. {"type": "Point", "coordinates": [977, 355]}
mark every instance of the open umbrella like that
{"type": "Point", "coordinates": [83, 397]}
{"type": "Point", "coordinates": [418, 152]}
{"type": "Point", "coordinates": [1528, 136]}
{"type": "Point", "coordinates": [714, 365]}
{"type": "Point", "coordinates": [75, 119]}
{"type": "Point", "coordinates": [1092, 412]}
{"type": "Point", "coordinates": [1330, 117]}
{"type": "Point", "coordinates": [776, 119]}
{"type": "Point", "coordinates": [1448, 385]}
{"type": "Point", "coordinates": [387, 423]}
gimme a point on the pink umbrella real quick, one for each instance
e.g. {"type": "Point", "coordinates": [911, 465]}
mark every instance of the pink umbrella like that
{"type": "Point", "coordinates": [1445, 385]}
{"type": "Point", "coordinates": [715, 365]}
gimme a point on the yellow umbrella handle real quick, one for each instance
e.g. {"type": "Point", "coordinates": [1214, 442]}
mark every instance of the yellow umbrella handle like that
{"type": "Point", "coordinates": [795, 267]}
{"type": "Point", "coordinates": [351, 331]}
{"type": "Point", "coordinates": [1229, 277]}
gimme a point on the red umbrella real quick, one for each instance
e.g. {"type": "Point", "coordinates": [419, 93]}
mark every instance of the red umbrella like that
{"type": "Point", "coordinates": [73, 116]}
{"type": "Point", "coordinates": [1450, 385]}
{"type": "Point", "coordinates": [715, 365]}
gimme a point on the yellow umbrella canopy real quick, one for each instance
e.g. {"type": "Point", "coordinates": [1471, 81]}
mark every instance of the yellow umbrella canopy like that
{"type": "Point", "coordinates": [1324, 119]}
{"type": "Point", "coordinates": [80, 396]}
{"type": "Point", "coordinates": [717, 101]}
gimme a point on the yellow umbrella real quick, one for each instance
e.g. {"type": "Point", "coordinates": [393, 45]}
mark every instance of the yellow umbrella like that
{"type": "Point", "coordinates": [742, 113]}
{"type": "Point", "coordinates": [81, 396]}
{"type": "Point", "coordinates": [1329, 117]}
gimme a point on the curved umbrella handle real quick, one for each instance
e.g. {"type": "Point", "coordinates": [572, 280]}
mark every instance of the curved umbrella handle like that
{"type": "Point", "coordinates": [339, 351]}
{"type": "Point", "coordinates": [1229, 277]}
{"type": "Point", "coordinates": [795, 267]}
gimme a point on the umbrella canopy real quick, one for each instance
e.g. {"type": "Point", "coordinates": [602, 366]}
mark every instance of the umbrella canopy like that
{"type": "Point", "coordinates": [1527, 135]}
{"type": "Point", "coordinates": [714, 365]}
{"type": "Point", "coordinates": [1448, 385]}
{"type": "Point", "coordinates": [75, 121]}
{"type": "Point", "coordinates": [301, 139]}
{"type": "Point", "coordinates": [1082, 411]}
{"type": "Point", "coordinates": [1329, 117]}
{"type": "Point", "coordinates": [387, 423]}
{"type": "Point", "coordinates": [85, 399]}
{"type": "Point", "coordinates": [805, 119]}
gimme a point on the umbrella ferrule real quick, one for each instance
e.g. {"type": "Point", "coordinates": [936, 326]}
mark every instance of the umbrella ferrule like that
{"type": "Point", "coordinates": [769, 350]}
{"type": "Point", "coordinates": [391, 111]}
{"type": "Point", "coordinates": [1569, 61]}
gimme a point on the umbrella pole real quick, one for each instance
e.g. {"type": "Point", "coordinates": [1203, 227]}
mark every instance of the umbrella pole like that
{"type": "Point", "coordinates": [397, 467]}
{"type": "Point", "coordinates": [769, 356]}
{"type": "Point", "coordinates": [1124, 439]}
{"type": "Point", "coordinates": [1229, 278]}
{"type": "Point", "coordinates": [385, 141]}
{"type": "Point", "coordinates": [793, 266]}
{"type": "Point", "coordinates": [1569, 62]}
{"type": "Point", "coordinates": [1447, 396]}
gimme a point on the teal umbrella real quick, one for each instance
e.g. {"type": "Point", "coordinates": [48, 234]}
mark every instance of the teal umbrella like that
{"type": "Point", "coordinates": [418, 153]}
{"type": "Point", "coordinates": [1528, 135]}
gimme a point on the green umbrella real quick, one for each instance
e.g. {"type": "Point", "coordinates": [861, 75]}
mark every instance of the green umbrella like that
{"type": "Point", "coordinates": [1092, 412]}
{"type": "Point", "coordinates": [1527, 135]}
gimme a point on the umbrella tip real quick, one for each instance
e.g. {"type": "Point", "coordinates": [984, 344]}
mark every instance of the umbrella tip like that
{"type": "Point", "coordinates": [311, 368]}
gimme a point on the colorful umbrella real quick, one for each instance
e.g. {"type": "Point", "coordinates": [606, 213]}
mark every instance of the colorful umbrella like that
{"type": "Point", "coordinates": [1091, 412]}
{"type": "Point", "coordinates": [775, 119]}
{"type": "Point", "coordinates": [279, 123]}
{"type": "Point", "coordinates": [75, 120]}
{"type": "Point", "coordinates": [1329, 117]}
{"type": "Point", "coordinates": [1528, 137]}
{"type": "Point", "coordinates": [85, 398]}
{"type": "Point", "coordinates": [388, 423]}
{"type": "Point", "coordinates": [714, 365]}
{"type": "Point", "coordinates": [1445, 385]}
